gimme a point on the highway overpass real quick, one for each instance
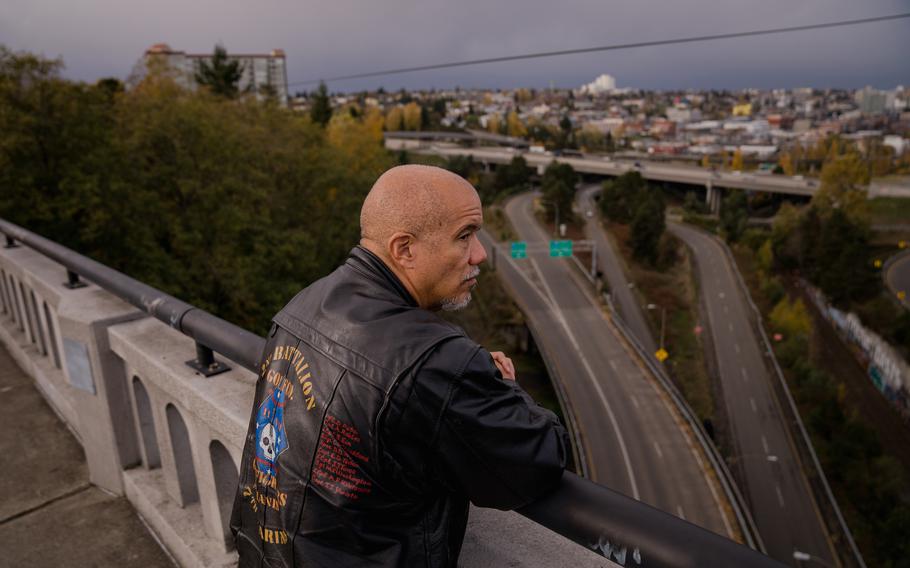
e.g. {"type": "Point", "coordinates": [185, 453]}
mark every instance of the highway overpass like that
{"type": "Point", "coordinates": [713, 181]}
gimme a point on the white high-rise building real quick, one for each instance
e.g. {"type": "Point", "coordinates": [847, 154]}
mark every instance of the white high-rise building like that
{"type": "Point", "coordinates": [261, 73]}
{"type": "Point", "coordinates": [603, 84]}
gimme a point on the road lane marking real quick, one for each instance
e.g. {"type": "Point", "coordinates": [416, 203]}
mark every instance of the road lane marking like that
{"type": "Point", "coordinates": [725, 309]}
{"type": "Point", "coordinates": [584, 361]}
{"type": "Point", "coordinates": [745, 375]}
{"type": "Point", "coordinates": [635, 402]}
{"type": "Point", "coordinates": [613, 366]}
{"type": "Point", "coordinates": [730, 325]}
{"type": "Point", "coordinates": [764, 443]}
{"type": "Point", "coordinates": [752, 403]}
{"type": "Point", "coordinates": [657, 449]}
{"type": "Point", "coordinates": [780, 496]}
{"type": "Point", "coordinates": [736, 346]}
{"type": "Point", "coordinates": [679, 511]}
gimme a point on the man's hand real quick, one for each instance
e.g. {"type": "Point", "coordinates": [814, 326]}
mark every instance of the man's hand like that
{"type": "Point", "coordinates": [504, 364]}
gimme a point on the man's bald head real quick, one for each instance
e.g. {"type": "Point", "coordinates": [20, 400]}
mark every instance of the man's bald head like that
{"type": "Point", "coordinates": [408, 199]}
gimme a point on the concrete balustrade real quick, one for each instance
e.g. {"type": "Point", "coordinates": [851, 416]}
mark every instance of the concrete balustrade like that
{"type": "Point", "coordinates": [167, 438]}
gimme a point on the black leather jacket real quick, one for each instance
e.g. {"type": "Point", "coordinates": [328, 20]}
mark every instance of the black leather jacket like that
{"type": "Point", "coordinates": [374, 423]}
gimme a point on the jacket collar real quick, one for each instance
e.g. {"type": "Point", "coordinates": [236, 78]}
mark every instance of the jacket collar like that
{"type": "Point", "coordinates": [375, 269]}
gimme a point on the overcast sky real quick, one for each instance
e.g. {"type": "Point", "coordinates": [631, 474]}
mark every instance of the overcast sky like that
{"type": "Point", "coordinates": [100, 38]}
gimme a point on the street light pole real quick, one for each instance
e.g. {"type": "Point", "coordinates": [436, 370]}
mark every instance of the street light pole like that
{"type": "Point", "coordinates": [663, 321]}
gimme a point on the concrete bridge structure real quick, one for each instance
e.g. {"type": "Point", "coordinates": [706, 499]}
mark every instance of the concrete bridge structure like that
{"type": "Point", "coordinates": [714, 182]}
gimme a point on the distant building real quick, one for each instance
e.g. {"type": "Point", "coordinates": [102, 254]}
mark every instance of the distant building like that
{"type": "Point", "coordinates": [871, 101]}
{"type": "Point", "coordinates": [744, 109]}
{"type": "Point", "coordinates": [261, 73]}
{"type": "Point", "coordinates": [896, 142]}
{"type": "Point", "coordinates": [780, 121]}
{"type": "Point", "coordinates": [603, 84]}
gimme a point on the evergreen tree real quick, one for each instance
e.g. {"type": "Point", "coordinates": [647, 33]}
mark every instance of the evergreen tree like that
{"type": "Point", "coordinates": [221, 76]}
{"type": "Point", "coordinates": [647, 227]}
{"type": "Point", "coordinates": [621, 197]}
{"type": "Point", "coordinates": [321, 107]}
{"type": "Point", "coordinates": [734, 214]}
{"type": "Point", "coordinates": [843, 270]}
{"type": "Point", "coordinates": [558, 188]}
{"type": "Point", "coordinates": [513, 177]}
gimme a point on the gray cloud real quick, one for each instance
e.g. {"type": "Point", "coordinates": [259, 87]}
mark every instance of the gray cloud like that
{"type": "Point", "coordinates": [98, 38]}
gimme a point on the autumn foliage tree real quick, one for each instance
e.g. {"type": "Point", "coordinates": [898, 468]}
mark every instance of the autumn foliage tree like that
{"type": "Point", "coordinates": [231, 205]}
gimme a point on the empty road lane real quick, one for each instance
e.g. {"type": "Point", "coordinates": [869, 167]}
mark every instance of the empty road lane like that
{"type": "Point", "coordinates": [632, 439]}
{"type": "Point", "coordinates": [778, 493]}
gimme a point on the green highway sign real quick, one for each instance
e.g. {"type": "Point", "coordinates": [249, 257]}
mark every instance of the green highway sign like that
{"type": "Point", "coordinates": [519, 249]}
{"type": "Point", "coordinates": [560, 248]}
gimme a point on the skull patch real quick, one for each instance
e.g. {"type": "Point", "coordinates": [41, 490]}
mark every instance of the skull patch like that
{"type": "Point", "coordinates": [271, 441]}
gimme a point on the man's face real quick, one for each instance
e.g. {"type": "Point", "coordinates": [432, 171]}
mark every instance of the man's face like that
{"type": "Point", "coordinates": [450, 255]}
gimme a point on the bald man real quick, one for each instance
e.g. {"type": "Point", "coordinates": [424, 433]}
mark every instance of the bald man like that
{"type": "Point", "coordinates": [375, 422]}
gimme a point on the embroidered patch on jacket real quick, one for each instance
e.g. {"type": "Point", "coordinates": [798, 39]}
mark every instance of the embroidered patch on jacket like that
{"type": "Point", "coordinates": [270, 436]}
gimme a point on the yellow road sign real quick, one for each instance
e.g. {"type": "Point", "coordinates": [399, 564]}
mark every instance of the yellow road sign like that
{"type": "Point", "coordinates": [901, 295]}
{"type": "Point", "coordinates": [877, 263]}
{"type": "Point", "coordinates": [661, 354]}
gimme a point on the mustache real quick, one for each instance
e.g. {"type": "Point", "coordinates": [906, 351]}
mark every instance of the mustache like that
{"type": "Point", "coordinates": [474, 273]}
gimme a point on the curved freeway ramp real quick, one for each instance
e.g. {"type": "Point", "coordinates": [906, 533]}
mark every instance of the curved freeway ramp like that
{"type": "Point", "coordinates": [781, 501]}
{"type": "Point", "coordinates": [629, 436]}
{"type": "Point", "coordinates": [611, 265]}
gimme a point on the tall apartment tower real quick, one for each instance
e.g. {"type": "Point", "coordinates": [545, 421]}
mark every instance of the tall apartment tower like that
{"type": "Point", "coordinates": [262, 73]}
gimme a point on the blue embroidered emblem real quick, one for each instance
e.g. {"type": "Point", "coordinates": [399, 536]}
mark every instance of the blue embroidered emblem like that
{"type": "Point", "coordinates": [270, 438]}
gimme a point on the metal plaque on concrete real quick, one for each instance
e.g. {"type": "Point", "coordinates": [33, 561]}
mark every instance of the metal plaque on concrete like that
{"type": "Point", "coordinates": [78, 365]}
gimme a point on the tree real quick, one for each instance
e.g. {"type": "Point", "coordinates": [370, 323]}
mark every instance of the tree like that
{"type": "Point", "coordinates": [394, 119]}
{"type": "Point", "coordinates": [622, 196]}
{"type": "Point", "coordinates": [513, 177]}
{"type": "Point", "coordinates": [842, 266]}
{"type": "Point", "coordinates": [785, 235]}
{"type": "Point", "coordinates": [221, 76]}
{"type": "Point", "coordinates": [786, 164]}
{"type": "Point", "coordinates": [80, 166]}
{"type": "Point", "coordinates": [411, 117]}
{"type": "Point", "coordinates": [791, 318]}
{"type": "Point", "coordinates": [647, 227]}
{"type": "Point", "coordinates": [321, 107]}
{"type": "Point", "coordinates": [734, 214]}
{"type": "Point", "coordinates": [514, 126]}
{"type": "Point", "coordinates": [737, 162]}
{"type": "Point", "coordinates": [843, 182]}
{"type": "Point", "coordinates": [558, 188]}
{"type": "Point", "coordinates": [494, 123]}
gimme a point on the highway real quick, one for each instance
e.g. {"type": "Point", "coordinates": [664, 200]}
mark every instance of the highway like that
{"type": "Point", "coordinates": [656, 171]}
{"type": "Point", "coordinates": [610, 264]}
{"type": "Point", "coordinates": [631, 438]}
{"type": "Point", "coordinates": [778, 493]}
{"type": "Point", "coordinates": [649, 170]}
{"type": "Point", "coordinates": [897, 277]}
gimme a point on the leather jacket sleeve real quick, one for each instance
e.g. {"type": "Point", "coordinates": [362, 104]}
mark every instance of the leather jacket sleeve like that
{"type": "Point", "coordinates": [492, 440]}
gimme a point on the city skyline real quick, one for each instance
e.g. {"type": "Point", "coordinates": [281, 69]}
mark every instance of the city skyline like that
{"type": "Point", "coordinates": [100, 38]}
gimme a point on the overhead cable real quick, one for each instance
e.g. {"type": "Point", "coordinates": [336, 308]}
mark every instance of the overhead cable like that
{"type": "Point", "coordinates": [614, 47]}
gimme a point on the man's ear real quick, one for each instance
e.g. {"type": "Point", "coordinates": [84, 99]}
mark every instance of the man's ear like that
{"type": "Point", "coordinates": [401, 249]}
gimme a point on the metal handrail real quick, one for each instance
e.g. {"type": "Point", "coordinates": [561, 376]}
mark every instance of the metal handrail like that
{"type": "Point", "coordinates": [623, 530]}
